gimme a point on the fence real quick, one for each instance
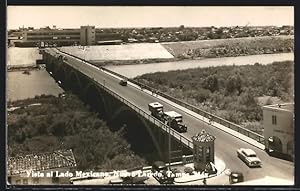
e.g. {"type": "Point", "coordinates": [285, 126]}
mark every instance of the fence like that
{"type": "Point", "coordinates": [259, 138]}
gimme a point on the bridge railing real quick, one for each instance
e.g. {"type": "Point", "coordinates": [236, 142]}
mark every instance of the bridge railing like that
{"type": "Point", "coordinates": [187, 142]}
{"type": "Point", "coordinates": [199, 111]}
{"type": "Point", "coordinates": [155, 121]}
{"type": "Point", "coordinates": [255, 136]}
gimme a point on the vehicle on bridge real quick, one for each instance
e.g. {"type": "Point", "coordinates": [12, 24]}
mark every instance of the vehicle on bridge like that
{"type": "Point", "coordinates": [157, 110]}
{"type": "Point", "coordinates": [171, 118]}
{"type": "Point", "coordinates": [249, 157]}
{"type": "Point", "coordinates": [123, 82]}
{"type": "Point", "coordinates": [175, 121]}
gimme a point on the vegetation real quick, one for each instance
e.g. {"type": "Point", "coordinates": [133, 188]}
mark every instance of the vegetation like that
{"type": "Point", "coordinates": [231, 47]}
{"type": "Point", "coordinates": [232, 92]}
{"type": "Point", "coordinates": [48, 123]}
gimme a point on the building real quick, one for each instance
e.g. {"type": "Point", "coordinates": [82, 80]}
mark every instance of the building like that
{"type": "Point", "coordinates": [278, 122]}
{"type": "Point", "coordinates": [41, 169]}
{"type": "Point", "coordinates": [49, 37]}
{"type": "Point", "coordinates": [85, 36]}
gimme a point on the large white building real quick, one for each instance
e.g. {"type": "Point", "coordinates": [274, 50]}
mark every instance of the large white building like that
{"type": "Point", "coordinates": [278, 122]}
{"type": "Point", "coordinates": [85, 35]}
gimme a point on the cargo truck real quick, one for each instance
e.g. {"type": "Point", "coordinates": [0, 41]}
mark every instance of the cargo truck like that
{"type": "Point", "coordinates": [174, 120]}
{"type": "Point", "coordinates": [157, 110]}
{"type": "Point", "coordinates": [171, 118]}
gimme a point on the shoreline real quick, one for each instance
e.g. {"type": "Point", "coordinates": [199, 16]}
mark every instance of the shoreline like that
{"type": "Point", "coordinates": [149, 61]}
{"type": "Point", "coordinates": [25, 68]}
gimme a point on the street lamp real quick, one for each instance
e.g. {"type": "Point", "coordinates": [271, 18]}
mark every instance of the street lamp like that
{"type": "Point", "coordinates": [85, 49]}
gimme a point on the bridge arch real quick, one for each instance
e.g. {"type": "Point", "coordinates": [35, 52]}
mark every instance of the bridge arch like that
{"type": "Point", "coordinates": [93, 96]}
{"type": "Point", "coordinates": [72, 81]}
{"type": "Point", "coordinates": [58, 71]}
{"type": "Point", "coordinates": [275, 144]}
{"type": "Point", "coordinates": [137, 131]}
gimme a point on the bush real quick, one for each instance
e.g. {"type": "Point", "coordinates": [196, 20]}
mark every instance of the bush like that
{"type": "Point", "coordinates": [68, 124]}
{"type": "Point", "coordinates": [188, 170]}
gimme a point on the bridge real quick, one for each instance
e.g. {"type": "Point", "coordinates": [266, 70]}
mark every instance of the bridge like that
{"type": "Point", "coordinates": [127, 107]}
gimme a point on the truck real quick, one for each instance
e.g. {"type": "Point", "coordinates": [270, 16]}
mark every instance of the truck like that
{"type": "Point", "coordinates": [157, 110]}
{"type": "Point", "coordinates": [174, 120]}
{"type": "Point", "coordinates": [171, 118]}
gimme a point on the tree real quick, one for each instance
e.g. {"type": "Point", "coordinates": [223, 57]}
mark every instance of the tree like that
{"type": "Point", "coordinates": [273, 87]}
{"type": "Point", "coordinates": [20, 136]}
{"type": "Point", "coordinates": [211, 83]}
{"type": "Point", "coordinates": [234, 84]}
{"type": "Point", "coordinates": [58, 128]}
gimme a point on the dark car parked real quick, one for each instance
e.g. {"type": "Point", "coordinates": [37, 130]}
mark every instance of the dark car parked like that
{"type": "Point", "coordinates": [236, 177]}
{"type": "Point", "coordinates": [160, 166]}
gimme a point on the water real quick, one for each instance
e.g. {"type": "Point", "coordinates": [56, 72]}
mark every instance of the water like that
{"type": "Point", "coordinates": [23, 86]}
{"type": "Point", "coordinates": [132, 71]}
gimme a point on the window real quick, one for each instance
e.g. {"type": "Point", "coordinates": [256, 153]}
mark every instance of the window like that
{"type": "Point", "coordinates": [200, 152]}
{"type": "Point", "coordinates": [207, 154]}
{"type": "Point", "coordinates": [18, 181]}
{"type": "Point", "coordinates": [274, 119]}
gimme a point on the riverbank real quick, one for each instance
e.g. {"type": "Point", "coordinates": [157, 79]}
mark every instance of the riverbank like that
{"type": "Point", "coordinates": [135, 70]}
{"type": "Point", "coordinates": [231, 47]}
{"type": "Point", "coordinates": [148, 53]}
{"type": "Point", "coordinates": [25, 68]}
{"type": "Point", "coordinates": [101, 63]}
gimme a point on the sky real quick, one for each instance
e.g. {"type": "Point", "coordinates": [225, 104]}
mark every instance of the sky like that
{"type": "Point", "coordinates": [147, 16]}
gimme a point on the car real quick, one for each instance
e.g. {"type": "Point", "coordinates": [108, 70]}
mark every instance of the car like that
{"type": "Point", "coordinates": [123, 82]}
{"type": "Point", "coordinates": [135, 179]}
{"type": "Point", "coordinates": [249, 157]}
{"type": "Point", "coordinates": [235, 177]}
{"type": "Point", "coordinates": [161, 167]}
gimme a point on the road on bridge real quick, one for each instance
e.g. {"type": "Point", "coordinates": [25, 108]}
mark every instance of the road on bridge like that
{"type": "Point", "coordinates": [225, 144]}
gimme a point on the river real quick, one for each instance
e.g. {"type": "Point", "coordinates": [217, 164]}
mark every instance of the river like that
{"type": "Point", "coordinates": [22, 86]}
{"type": "Point", "coordinates": [134, 70]}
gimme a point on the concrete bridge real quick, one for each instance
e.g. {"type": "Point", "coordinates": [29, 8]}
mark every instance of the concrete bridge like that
{"type": "Point", "coordinates": [127, 107]}
{"type": "Point", "coordinates": [119, 112]}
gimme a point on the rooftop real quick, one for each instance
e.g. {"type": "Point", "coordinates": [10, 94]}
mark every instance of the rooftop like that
{"type": "Point", "coordinates": [284, 107]}
{"type": "Point", "coordinates": [155, 104]}
{"type": "Point", "coordinates": [203, 136]}
{"type": "Point", "coordinates": [173, 114]}
{"type": "Point", "coordinates": [39, 162]}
